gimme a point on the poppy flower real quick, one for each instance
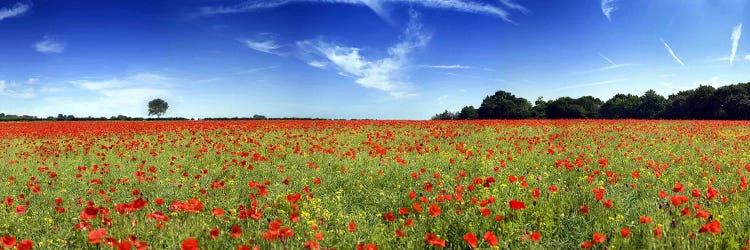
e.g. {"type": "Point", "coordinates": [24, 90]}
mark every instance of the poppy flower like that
{"type": "Point", "coordinates": [625, 232]}
{"type": "Point", "coordinates": [712, 227]}
{"type": "Point", "coordinates": [516, 205]}
{"type": "Point", "coordinates": [583, 209]}
{"type": "Point", "coordinates": [189, 244]}
{"type": "Point", "coordinates": [607, 204]}
{"type": "Point", "coordinates": [25, 245]}
{"type": "Point", "coordinates": [598, 238]}
{"type": "Point", "coordinates": [434, 210]}
{"type": "Point", "coordinates": [490, 238]}
{"type": "Point", "coordinates": [352, 226]}
{"type": "Point", "coordinates": [471, 239]}
{"type": "Point", "coordinates": [586, 245]}
{"type": "Point", "coordinates": [535, 236]}
{"type": "Point", "coordinates": [552, 189]}
{"type": "Point", "coordinates": [400, 233]}
{"type": "Point", "coordinates": [434, 240]}
{"type": "Point", "coordinates": [678, 187]}
{"type": "Point", "coordinates": [644, 220]}
{"type": "Point", "coordinates": [214, 232]}
{"type": "Point", "coordinates": [96, 236]}
{"type": "Point", "coordinates": [598, 193]}
{"type": "Point", "coordinates": [8, 241]}
{"type": "Point", "coordinates": [657, 232]}
{"type": "Point", "coordinates": [236, 231]}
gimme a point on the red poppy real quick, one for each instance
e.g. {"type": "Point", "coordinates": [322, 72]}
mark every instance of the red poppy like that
{"type": "Point", "coordinates": [409, 222]}
{"type": "Point", "coordinates": [400, 233]}
{"type": "Point", "coordinates": [8, 241]}
{"type": "Point", "coordinates": [583, 209]}
{"type": "Point", "coordinates": [236, 231]}
{"type": "Point", "coordinates": [433, 240]}
{"type": "Point", "coordinates": [516, 205]}
{"type": "Point", "coordinates": [352, 226]}
{"type": "Point", "coordinates": [535, 193]}
{"type": "Point", "coordinates": [598, 238]}
{"type": "Point", "coordinates": [363, 246]}
{"type": "Point", "coordinates": [214, 233]}
{"type": "Point", "coordinates": [25, 245]}
{"type": "Point", "coordinates": [471, 239]}
{"type": "Point", "coordinates": [625, 232]}
{"type": "Point", "coordinates": [490, 238]}
{"type": "Point", "coordinates": [535, 236]}
{"type": "Point", "coordinates": [586, 245]}
{"type": "Point", "coordinates": [389, 217]}
{"type": "Point", "coordinates": [553, 189]}
{"type": "Point", "coordinates": [96, 236]}
{"type": "Point", "coordinates": [434, 210]}
{"type": "Point", "coordinates": [607, 203]}
{"type": "Point", "coordinates": [312, 244]}
{"type": "Point", "coordinates": [189, 244]}
{"type": "Point", "coordinates": [657, 232]}
{"type": "Point", "coordinates": [712, 227]}
{"type": "Point", "coordinates": [678, 187]}
{"type": "Point", "coordinates": [598, 193]}
{"type": "Point", "coordinates": [644, 220]}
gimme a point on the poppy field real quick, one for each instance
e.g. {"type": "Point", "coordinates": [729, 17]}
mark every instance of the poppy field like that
{"type": "Point", "coordinates": [530, 184]}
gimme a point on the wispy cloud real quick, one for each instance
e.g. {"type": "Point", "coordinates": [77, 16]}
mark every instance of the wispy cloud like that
{"type": "Point", "coordinates": [5, 90]}
{"type": "Point", "coordinates": [736, 34]}
{"type": "Point", "coordinates": [115, 96]}
{"type": "Point", "coordinates": [377, 6]}
{"type": "Point", "coordinates": [591, 84]}
{"type": "Point", "coordinates": [318, 64]}
{"type": "Point", "coordinates": [384, 74]}
{"type": "Point", "coordinates": [671, 52]}
{"type": "Point", "coordinates": [267, 46]}
{"type": "Point", "coordinates": [747, 58]}
{"type": "Point", "coordinates": [454, 66]}
{"type": "Point", "coordinates": [515, 6]}
{"type": "Point", "coordinates": [612, 65]}
{"type": "Point", "coordinates": [254, 70]}
{"type": "Point", "coordinates": [608, 6]}
{"type": "Point", "coordinates": [17, 9]}
{"type": "Point", "coordinates": [48, 46]}
{"type": "Point", "coordinates": [714, 81]}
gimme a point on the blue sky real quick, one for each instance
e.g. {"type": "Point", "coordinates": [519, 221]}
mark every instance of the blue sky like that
{"type": "Point", "coordinates": [384, 59]}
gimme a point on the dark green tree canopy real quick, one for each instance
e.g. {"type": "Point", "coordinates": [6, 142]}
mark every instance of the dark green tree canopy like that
{"type": "Point", "coordinates": [468, 113]}
{"type": "Point", "coordinates": [157, 107]}
{"type": "Point", "coordinates": [504, 105]}
{"type": "Point", "coordinates": [621, 106]}
{"type": "Point", "coordinates": [704, 102]}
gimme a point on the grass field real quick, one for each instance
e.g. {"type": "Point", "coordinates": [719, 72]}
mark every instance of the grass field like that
{"type": "Point", "coordinates": [536, 184]}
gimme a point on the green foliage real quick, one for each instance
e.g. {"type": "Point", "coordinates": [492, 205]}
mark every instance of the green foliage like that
{"type": "Point", "coordinates": [157, 107]}
{"type": "Point", "coordinates": [504, 105]}
{"type": "Point", "coordinates": [468, 113]}
{"type": "Point", "coordinates": [621, 106]}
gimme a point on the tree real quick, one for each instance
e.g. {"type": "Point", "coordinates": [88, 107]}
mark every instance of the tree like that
{"type": "Point", "coordinates": [157, 107]}
{"type": "Point", "coordinates": [540, 108]}
{"type": "Point", "coordinates": [590, 105]}
{"type": "Point", "coordinates": [468, 113]}
{"type": "Point", "coordinates": [504, 105]}
{"type": "Point", "coordinates": [734, 101]}
{"type": "Point", "coordinates": [621, 106]}
{"type": "Point", "coordinates": [446, 115]}
{"type": "Point", "coordinates": [651, 105]}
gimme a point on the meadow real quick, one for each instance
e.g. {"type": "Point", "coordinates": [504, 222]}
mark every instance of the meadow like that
{"type": "Point", "coordinates": [518, 184]}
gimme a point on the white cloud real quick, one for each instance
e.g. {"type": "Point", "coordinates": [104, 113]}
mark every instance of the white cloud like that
{"type": "Point", "coordinates": [5, 90]}
{"type": "Point", "coordinates": [608, 6]}
{"type": "Point", "coordinates": [266, 46]}
{"type": "Point", "coordinates": [454, 66]}
{"type": "Point", "coordinates": [47, 45]}
{"type": "Point", "coordinates": [254, 70]}
{"type": "Point", "coordinates": [33, 80]}
{"type": "Point", "coordinates": [515, 6]}
{"type": "Point", "coordinates": [14, 11]}
{"type": "Point", "coordinates": [467, 6]}
{"type": "Point", "coordinates": [591, 84]}
{"type": "Point", "coordinates": [736, 34]}
{"type": "Point", "coordinates": [318, 64]}
{"type": "Point", "coordinates": [671, 52]}
{"type": "Point", "coordinates": [108, 97]}
{"type": "Point", "coordinates": [384, 74]}
{"type": "Point", "coordinates": [714, 81]}
{"type": "Point", "coordinates": [747, 58]}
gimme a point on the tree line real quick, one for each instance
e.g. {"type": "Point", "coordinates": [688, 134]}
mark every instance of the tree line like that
{"type": "Point", "coordinates": [731, 102]}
